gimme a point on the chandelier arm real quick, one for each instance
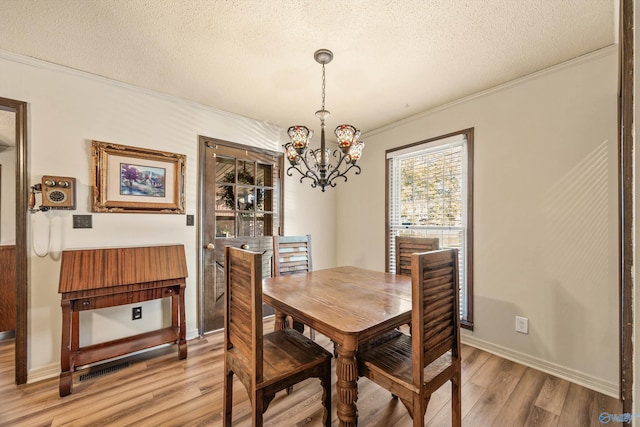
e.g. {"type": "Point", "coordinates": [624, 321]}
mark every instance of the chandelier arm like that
{"type": "Point", "coordinates": [335, 171]}
{"type": "Point", "coordinates": [340, 175]}
{"type": "Point", "coordinates": [344, 173]}
{"type": "Point", "coordinates": [309, 173]}
{"type": "Point", "coordinates": [357, 169]}
{"type": "Point", "coordinates": [289, 173]}
{"type": "Point", "coordinates": [303, 175]}
{"type": "Point", "coordinates": [304, 159]}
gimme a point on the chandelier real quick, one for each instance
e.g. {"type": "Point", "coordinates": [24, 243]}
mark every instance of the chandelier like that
{"type": "Point", "coordinates": [321, 165]}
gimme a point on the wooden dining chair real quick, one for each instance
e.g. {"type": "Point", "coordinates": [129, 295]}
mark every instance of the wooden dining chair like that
{"type": "Point", "coordinates": [292, 255]}
{"type": "Point", "coordinates": [264, 364]}
{"type": "Point", "coordinates": [413, 367]}
{"type": "Point", "coordinates": [407, 245]}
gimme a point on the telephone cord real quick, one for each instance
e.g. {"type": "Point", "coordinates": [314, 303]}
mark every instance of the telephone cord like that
{"type": "Point", "coordinates": [33, 243]}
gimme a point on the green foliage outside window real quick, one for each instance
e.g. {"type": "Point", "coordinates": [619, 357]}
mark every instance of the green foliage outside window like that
{"type": "Point", "coordinates": [430, 190]}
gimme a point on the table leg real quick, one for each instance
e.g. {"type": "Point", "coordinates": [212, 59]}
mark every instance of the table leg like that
{"type": "Point", "coordinates": [280, 321]}
{"type": "Point", "coordinates": [347, 383]}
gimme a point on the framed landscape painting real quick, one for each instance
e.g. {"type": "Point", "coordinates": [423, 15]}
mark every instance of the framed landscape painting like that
{"type": "Point", "coordinates": [130, 179]}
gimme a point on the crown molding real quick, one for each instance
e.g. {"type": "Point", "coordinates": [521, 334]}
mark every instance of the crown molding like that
{"type": "Point", "coordinates": [592, 56]}
{"type": "Point", "coordinates": [50, 66]}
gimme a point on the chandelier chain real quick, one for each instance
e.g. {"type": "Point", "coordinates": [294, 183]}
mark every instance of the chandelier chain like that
{"type": "Point", "coordinates": [323, 86]}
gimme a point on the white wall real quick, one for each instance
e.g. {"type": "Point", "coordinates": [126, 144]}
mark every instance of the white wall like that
{"type": "Point", "coordinates": [310, 211]}
{"type": "Point", "coordinates": [545, 223]}
{"type": "Point", "coordinates": [68, 109]}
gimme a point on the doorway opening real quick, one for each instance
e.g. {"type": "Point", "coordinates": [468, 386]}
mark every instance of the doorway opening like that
{"type": "Point", "coordinates": [18, 110]}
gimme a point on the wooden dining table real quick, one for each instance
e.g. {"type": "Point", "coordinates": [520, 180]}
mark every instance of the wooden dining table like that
{"type": "Point", "coordinates": [351, 306]}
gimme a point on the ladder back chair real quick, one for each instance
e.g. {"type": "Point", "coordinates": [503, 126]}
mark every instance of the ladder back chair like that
{"type": "Point", "coordinates": [292, 255]}
{"type": "Point", "coordinates": [264, 364]}
{"type": "Point", "coordinates": [413, 367]}
{"type": "Point", "coordinates": [407, 245]}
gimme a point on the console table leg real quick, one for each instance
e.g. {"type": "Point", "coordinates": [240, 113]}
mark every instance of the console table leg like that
{"type": "Point", "coordinates": [182, 341]}
{"type": "Point", "coordinates": [66, 383]}
{"type": "Point", "coordinates": [66, 374]}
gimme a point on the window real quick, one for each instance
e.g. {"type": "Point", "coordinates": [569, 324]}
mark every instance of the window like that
{"type": "Point", "coordinates": [430, 194]}
{"type": "Point", "coordinates": [245, 205]}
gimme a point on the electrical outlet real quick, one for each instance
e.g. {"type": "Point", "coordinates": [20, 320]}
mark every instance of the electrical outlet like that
{"type": "Point", "coordinates": [136, 313]}
{"type": "Point", "coordinates": [522, 325]}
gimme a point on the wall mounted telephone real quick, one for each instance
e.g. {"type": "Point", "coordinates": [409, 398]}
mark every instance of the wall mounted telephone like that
{"type": "Point", "coordinates": [58, 192]}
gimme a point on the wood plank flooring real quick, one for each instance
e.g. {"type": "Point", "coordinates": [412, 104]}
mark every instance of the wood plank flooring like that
{"type": "Point", "coordinates": [157, 389]}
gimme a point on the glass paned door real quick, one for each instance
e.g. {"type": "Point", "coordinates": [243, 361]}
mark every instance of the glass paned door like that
{"type": "Point", "coordinates": [241, 205]}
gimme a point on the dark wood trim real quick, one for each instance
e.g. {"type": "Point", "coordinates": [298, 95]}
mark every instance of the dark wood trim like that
{"type": "Point", "coordinates": [22, 268]}
{"type": "Point", "coordinates": [425, 141]}
{"type": "Point", "coordinates": [233, 146]}
{"type": "Point", "coordinates": [22, 198]}
{"type": "Point", "coordinates": [626, 172]}
{"type": "Point", "coordinates": [202, 152]}
{"type": "Point", "coordinates": [466, 323]}
{"type": "Point", "coordinates": [387, 252]}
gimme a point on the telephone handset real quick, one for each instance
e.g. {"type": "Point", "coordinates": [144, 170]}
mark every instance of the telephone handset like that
{"type": "Point", "coordinates": [58, 192]}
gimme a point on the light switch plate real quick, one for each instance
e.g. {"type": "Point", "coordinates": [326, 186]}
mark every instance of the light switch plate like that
{"type": "Point", "coordinates": [82, 221]}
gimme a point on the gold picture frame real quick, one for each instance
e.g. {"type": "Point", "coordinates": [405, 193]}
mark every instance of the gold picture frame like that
{"type": "Point", "coordinates": [137, 180]}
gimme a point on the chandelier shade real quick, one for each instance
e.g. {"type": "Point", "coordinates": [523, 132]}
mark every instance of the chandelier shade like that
{"type": "Point", "coordinates": [323, 165]}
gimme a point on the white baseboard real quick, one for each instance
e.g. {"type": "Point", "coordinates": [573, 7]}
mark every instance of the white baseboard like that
{"type": "Point", "coordinates": [580, 378]}
{"type": "Point", "coordinates": [43, 373]}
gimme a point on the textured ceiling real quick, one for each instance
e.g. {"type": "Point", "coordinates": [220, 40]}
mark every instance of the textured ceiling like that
{"type": "Point", "coordinates": [392, 59]}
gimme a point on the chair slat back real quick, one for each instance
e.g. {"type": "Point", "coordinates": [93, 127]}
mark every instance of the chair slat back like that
{"type": "Point", "coordinates": [291, 255]}
{"type": "Point", "coordinates": [407, 245]}
{"type": "Point", "coordinates": [243, 305]}
{"type": "Point", "coordinates": [436, 311]}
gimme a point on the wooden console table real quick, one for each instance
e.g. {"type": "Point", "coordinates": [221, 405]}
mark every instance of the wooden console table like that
{"type": "Point", "coordinates": [107, 277]}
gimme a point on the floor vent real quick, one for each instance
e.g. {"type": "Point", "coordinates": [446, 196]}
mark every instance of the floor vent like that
{"type": "Point", "coordinates": [103, 370]}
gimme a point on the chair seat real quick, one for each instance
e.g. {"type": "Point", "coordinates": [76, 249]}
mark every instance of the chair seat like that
{"type": "Point", "coordinates": [392, 359]}
{"type": "Point", "coordinates": [285, 352]}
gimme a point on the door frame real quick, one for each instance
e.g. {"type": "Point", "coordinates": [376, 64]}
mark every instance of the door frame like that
{"type": "Point", "coordinates": [22, 198]}
{"type": "Point", "coordinates": [203, 141]}
{"type": "Point", "coordinates": [626, 147]}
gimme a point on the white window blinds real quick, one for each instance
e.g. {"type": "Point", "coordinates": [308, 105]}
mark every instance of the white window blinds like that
{"type": "Point", "coordinates": [427, 197]}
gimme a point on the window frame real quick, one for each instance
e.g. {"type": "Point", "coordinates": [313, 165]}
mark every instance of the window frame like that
{"type": "Point", "coordinates": [467, 321]}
